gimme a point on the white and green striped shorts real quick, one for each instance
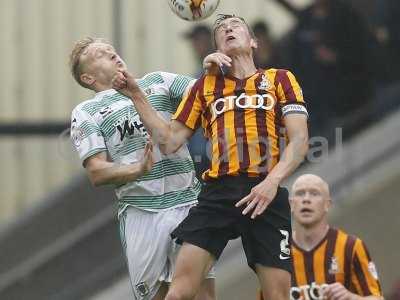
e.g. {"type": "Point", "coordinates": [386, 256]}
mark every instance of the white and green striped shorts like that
{"type": "Point", "coordinates": [149, 249]}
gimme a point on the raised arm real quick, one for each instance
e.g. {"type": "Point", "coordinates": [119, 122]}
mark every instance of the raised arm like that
{"type": "Point", "coordinates": [294, 114]}
{"type": "Point", "coordinates": [169, 135]}
{"type": "Point", "coordinates": [89, 142]}
{"type": "Point", "coordinates": [214, 63]}
{"type": "Point", "coordinates": [101, 171]}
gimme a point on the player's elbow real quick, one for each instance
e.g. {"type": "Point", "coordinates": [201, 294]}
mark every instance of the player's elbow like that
{"type": "Point", "coordinates": [171, 144]}
{"type": "Point", "coordinates": [168, 148]}
{"type": "Point", "coordinates": [96, 169]}
{"type": "Point", "coordinates": [96, 180]}
{"type": "Point", "coordinates": [300, 142]}
{"type": "Point", "coordinates": [304, 144]}
{"type": "Point", "coordinates": [96, 177]}
{"type": "Point", "coordinates": [97, 183]}
{"type": "Point", "coordinates": [163, 134]}
{"type": "Point", "coordinates": [303, 150]}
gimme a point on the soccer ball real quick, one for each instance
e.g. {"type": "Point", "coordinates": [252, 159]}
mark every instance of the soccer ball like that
{"type": "Point", "coordinates": [193, 10]}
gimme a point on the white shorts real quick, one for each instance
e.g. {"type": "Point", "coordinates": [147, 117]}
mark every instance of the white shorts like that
{"type": "Point", "coordinates": [149, 249]}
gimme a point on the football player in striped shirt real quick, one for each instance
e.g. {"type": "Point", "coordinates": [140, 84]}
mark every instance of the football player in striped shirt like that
{"type": "Point", "coordinates": [328, 263]}
{"type": "Point", "coordinates": [245, 114]}
{"type": "Point", "coordinates": [154, 191]}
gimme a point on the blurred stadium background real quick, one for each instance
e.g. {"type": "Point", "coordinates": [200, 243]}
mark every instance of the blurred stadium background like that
{"type": "Point", "coordinates": [58, 235]}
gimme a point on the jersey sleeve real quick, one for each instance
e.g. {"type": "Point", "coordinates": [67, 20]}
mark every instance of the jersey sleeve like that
{"type": "Point", "coordinates": [177, 85]}
{"type": "Point", "coordinates": [190, 109]}
{"type": "Point", "coordinates": [86, 135]}
{"type": "Point", "coordinates": [364, 275]}
{"type": "Point", "coordinates": [289, 94]}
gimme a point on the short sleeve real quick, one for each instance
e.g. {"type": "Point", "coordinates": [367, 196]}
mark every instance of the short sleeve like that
{"type": "Point", "coordinates": [289, 94]}
{"type": "Point", "coordinates": [364, 275]}
{"type": "Point", "coordinates": [190, 109]}
{"type": "Point", "coordinates": [177, 86]}
{"type": "Point", "coordinates": [86, 135]}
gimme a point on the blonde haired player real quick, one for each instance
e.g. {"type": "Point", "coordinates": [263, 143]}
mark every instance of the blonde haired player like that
{"type": "Point", "coordinates": [154, 191]}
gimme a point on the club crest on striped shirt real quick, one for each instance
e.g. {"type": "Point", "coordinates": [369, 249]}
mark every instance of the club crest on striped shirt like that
{"type": "Point", "coordinates": [265, 84]}
{"type": "Point", "coordinates": [372, 270]}
{"type": "Point", "coordinates": [77, 133]}
{"type": "Point", "coordinates": [334, 267]}
{"type": "Point", "coordinates": [149, 91]}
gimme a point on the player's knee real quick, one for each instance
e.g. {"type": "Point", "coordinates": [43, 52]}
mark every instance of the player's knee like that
{"type": "Point", "coordinates": [207, 291]}
{"type": "Point", "coordinates": [181, 290]}
{"type": "Point", "coordinates": [208, 296]}
{"type": "Point", "coordinates": [178, 295]}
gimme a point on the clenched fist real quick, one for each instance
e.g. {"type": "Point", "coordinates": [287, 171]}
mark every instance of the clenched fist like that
{"type": "Point", "coordinates": [125, 83]}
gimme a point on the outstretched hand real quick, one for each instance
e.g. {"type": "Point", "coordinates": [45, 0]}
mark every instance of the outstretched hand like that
{"type": "Point", "coordinates": [336, 291]}
{"type": "Point", "coordinates": [259, 198]}
{"type": "Point", "coordinates": [214, 62]}
{"type": "Point", "coordinates": [147, 161]}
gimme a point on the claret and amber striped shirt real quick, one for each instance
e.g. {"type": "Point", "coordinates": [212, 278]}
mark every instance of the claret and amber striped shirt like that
{"type": "Point", "coordinates": [243, 119]}
{"type": "Point", "coordinates": [338, 257]}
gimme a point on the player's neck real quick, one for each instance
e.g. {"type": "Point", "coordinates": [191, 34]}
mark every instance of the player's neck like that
{"type": "Point", "coordinates": [308, 237]}
{"type": "Point", "coordinates": [100, 87]}
{"type": "Point", "coordinates": [242, 66]}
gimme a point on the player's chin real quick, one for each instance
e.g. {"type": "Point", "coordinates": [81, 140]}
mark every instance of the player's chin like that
{"type": "Point", "coordinates": [234, 49]}
{"type": "Point", "coordinates": [306, 221]}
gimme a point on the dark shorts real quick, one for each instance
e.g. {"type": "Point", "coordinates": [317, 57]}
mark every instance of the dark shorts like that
{"type": "Point", "coordinates": [215, 220]}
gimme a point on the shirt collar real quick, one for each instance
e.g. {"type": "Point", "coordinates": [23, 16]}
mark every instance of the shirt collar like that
{"type": "Point", "coordinates": [106, 92]}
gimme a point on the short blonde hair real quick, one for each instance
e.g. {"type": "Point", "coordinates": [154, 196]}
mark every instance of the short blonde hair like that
{"type": "Point", "coordinates": [75, 57]}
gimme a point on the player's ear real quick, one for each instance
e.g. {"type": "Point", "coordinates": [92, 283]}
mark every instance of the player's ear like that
{"type": "Point", "coordinates": [253, 43]}
{"type": "Point", "coordinates": [291, 203]}
{"type": "Point", "coordinates": [87, 79]}
{"type": "Point", "coordinates": [328, 204]}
